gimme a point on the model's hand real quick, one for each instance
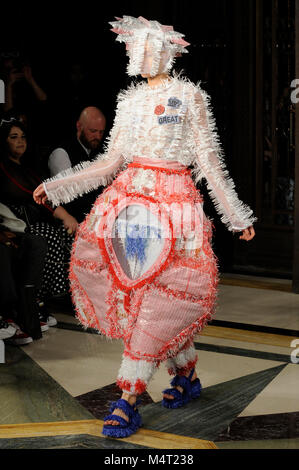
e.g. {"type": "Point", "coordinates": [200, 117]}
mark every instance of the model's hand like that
{"type": "Point", "coordinates": [248, 234]}
{"type": "Point", "coordinates": [70, 224]}
{"type": "Point", "coordinates": [39, 195]}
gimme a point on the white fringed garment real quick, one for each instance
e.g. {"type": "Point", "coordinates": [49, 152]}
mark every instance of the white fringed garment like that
{"type": "Point", "coordinates": [173, 121]}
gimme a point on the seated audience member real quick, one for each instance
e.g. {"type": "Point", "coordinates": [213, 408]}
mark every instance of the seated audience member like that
{"type": "Point", "coordinates": [6, 329]}
{"type": "Point", "coordinates": [33, 159]}
{"type": "Point", "coordinates": [17, 182]}
{"type": "Point", "coordinates": [84, 146]}
{"type": "Point", "coordinates": [22, 263]}
{"type": "Point", "coordinates": [24, 97]}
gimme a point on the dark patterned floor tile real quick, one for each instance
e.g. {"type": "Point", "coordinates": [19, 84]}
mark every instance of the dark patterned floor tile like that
{"type": "Point", "coordinates": [216, 408]}
{"type": "Point", "coordinates": [74, 327]}
{"type": "Point", "coordinates": [259, 328]}
{"type": "Point", "coordinates": [268, 356]}
{"type": "Point", "coordinates": [98, 401]}
{"type": "Point", "coordinates": [274, 426]}
{"type": "Point", "coordinates": [81, 441]}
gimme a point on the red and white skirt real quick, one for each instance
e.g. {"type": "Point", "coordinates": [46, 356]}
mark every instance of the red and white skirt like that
{"type": "Point", "coordinates": [142, 266]}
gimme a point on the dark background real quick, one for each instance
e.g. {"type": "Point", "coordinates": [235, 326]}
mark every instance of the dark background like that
{"type": "Point", "coordinates": [56, 37]}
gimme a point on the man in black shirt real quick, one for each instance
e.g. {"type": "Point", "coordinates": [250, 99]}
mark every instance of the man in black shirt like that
{"type": "Point", "coordinates": [82, 147]}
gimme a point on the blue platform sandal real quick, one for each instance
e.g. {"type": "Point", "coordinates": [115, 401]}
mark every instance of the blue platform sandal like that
{"type": "Point", "coordinates": [191, 390]}
{"type": "Point", "coordinates": [124, 428]}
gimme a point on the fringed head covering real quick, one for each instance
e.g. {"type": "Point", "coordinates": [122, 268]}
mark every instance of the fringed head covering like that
{"type": "Point", "coordinates": [151, 46]}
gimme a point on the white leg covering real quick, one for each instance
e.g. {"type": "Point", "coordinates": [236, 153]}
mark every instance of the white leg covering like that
{"type": "Point", "coordinates": [184, 361]}
{"type": "Point", "coordinates": [134, 375]}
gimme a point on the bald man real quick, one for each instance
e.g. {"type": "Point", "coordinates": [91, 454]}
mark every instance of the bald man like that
{"type": "Point", "coordinates": [84, 146]}
{"type": "Point", "coordinates": [90, 130]}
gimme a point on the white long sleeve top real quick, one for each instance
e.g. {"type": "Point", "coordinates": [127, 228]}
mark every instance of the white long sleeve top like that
{"type": "Point", "coordinates": [172, 121]}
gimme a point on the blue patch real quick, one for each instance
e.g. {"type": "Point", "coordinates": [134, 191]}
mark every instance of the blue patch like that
{"type": "Point", "coordinates": [174, 102]}
{"type": "Point", "coordinates": [169, 119]}
{"type": "Point", "coordinates": [137, 241]}
{"type": "Point", "coordinates": [135, 247]}
{"type": "Point", "coordinates": [124, 229]}
{"type": "Point", "coordinates": [136, 238]}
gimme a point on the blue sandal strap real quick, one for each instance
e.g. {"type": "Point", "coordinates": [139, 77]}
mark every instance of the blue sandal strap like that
{"type": "Point", "coordinates": [123, 405]}
{"type": "Point", "coordinates": [177, 395]}
{"type": "Point", "coordinates": [182, 381]}
{"type": "Point", "coordinates": [125, 428]}
{"type": "Point", "coordinates": [113, 417]}
{"type": "Point", "coordinates": [190, 390]}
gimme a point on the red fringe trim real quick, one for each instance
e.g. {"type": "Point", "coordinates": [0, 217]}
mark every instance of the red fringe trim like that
{"type": "Point", "coordinates": [179, 294]}
{"type": "Point", "coordinates": [137, 388]}
{"type": "Point", "coordinates": [92, 321]}
{"type": "Point", "coordinates": [161, 194]}
{"type": "Point", "coordinates": [173, 347]}
{"type": "Point", "coordinates": [183, 370]}
{"type": "Point", "coordinates": [88, 265]}
{"type": "Point", "coordinates": [136, 299]}
{"type": "Point", "coordinates": [87, 235]}
{"type": "Point", "coordinates": [149, 279]}
{"type": "Point", "coordinates": [169, 171]}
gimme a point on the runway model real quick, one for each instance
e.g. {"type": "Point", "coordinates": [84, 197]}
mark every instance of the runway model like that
{"type": "Point", "coordinates": [142, 266]}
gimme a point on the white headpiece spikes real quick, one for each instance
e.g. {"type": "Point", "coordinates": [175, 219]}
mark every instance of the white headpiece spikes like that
{"type": "Point", "coordinates": [152, 47]}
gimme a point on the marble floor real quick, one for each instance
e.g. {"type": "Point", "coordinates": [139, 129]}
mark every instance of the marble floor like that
{"type": "Point", "coordinates": [55, 391]}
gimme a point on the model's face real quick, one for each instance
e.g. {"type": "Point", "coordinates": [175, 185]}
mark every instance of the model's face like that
{"type": "Point", "coordinates": [138, 50]}
{"type": "Point", "coordinates": [146, 68]}
{"type": "Point", "coordinates": [147, 62]}
{"type": "Point", "coordinates": [16, 142]}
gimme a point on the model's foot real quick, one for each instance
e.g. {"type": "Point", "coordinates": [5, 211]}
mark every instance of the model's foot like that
{"type": "Point", "coordinates": [180, 389]}
{"type": "Point", "coordinates": [131, 399]}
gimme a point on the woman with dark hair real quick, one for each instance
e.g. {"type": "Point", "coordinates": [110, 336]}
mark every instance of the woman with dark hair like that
{"type": "Point", "coordinates": [56, 226]}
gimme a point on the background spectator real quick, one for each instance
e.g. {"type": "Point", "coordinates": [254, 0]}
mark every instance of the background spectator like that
{"type": "Point", "coordinates": [83, 146]}
{"type": "Point", "coordinates": [27, 101]}
{"type": "Point", "coordinates": [22, 263]}
{"type": "Point", "coordinates": [17, 181]}
{"type": "Point", "coordinates": [21, 89]}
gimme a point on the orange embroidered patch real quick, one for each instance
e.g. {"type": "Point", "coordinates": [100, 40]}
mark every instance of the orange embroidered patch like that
{"type": "Point", "coordinates": [159, 109]}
